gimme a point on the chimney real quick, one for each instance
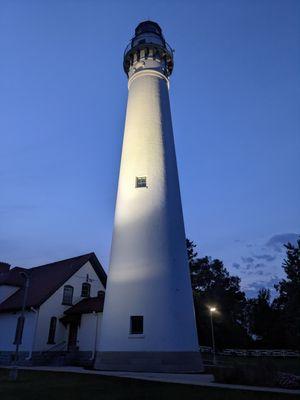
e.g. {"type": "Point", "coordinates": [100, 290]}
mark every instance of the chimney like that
{"type": "Point", "coordinates": [4, 267]}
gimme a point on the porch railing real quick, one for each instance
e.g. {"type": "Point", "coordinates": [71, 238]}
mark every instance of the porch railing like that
{"type": "Point", "coordinates": [56, 347]}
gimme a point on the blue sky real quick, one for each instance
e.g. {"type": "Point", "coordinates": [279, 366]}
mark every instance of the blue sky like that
{"type": "Point", "coordinates": [235, 96]}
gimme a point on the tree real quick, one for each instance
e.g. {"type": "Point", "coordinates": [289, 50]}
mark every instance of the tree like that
{"type": "Point", "coordinates": [213, 285]}
{"type": "Point", "coordinates": [190, 246]}
{"type": "Point", "coordinates": [288, 300]}
{"type": "Point", "coordinates": [261, 316]}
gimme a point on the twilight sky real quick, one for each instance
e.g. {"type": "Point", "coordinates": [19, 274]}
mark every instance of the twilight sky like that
{"type": "Point", "coordinates": [235, 97]}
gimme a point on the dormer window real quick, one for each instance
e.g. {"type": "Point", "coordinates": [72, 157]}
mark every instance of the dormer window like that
{"type": "Point", "coordinates": [140, 181]}
{"type": "Point", "coordinates": [86, 289]}
{"type": "Point", "coordinates": [68, 295]}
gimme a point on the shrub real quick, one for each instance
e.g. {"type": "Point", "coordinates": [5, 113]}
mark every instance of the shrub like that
{"type": "Point", "coordinates": [265, 374]}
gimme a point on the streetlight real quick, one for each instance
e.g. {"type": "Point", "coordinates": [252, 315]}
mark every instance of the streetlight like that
{"type": "Point", "coordinates": [212, 310]}
{"type": "Point", "coordinates": [20, 326]}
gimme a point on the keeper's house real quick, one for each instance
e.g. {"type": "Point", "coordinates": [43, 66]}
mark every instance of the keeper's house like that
{"type": "Point", "coordinates": [63, 312]}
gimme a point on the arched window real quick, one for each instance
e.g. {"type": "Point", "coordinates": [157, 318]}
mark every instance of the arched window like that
{"type": "Point", "coordinates": [68, 295]}
{"type": "Point", "coordinates": [52, 328]}
{"type": "Point", "coordinates": [19, 330]}
{"type": "Point", "coordinates": [85, 289]}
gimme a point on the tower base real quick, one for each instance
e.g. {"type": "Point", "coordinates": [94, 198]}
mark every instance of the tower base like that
{"type": "Point", "coordinates": [149, 361]}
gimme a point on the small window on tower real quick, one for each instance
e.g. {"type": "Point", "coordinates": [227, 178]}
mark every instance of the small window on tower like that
{"type": "Point", "coordinates": [136, 325]}
{"type": "Point", "coordinates": [141, 181]}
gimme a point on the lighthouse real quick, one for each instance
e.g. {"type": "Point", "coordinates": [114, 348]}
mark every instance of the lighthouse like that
{"type": "Point", "coordinates": [148, 320]}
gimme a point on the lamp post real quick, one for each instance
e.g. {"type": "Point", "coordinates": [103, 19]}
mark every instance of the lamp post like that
{"type": "Point", "coordinates": [20, 326]}
{"type": "Point", "coordinates": [212, 310]}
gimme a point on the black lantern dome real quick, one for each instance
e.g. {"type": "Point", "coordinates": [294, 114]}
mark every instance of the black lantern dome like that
{"type": "Point", "coordinates": [148, 42]}
{"type": "Point", "coordinates": [148, 26]}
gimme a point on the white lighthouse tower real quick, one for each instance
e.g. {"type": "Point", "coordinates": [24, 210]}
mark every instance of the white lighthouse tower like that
{"type": "Point", "coordinates": [148, 321]}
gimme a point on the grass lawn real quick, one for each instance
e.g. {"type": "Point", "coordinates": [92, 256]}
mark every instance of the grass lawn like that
{"type": "Point", "coordinates": [36, 385]}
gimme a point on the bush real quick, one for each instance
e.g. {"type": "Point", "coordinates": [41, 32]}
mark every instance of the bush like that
{"type": "Point", "coordinates": [265, 374]}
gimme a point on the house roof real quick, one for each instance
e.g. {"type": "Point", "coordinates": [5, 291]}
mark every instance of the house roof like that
{"type": "Point", "coordinates": [45, 280]}
{"type": "Point", "coordinates": [87, 305]}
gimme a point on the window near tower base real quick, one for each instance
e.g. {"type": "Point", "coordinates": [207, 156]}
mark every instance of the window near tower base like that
{"type": "Point", "coordinates": [136, 325]}
{"type": "Point", "coordinates": [141, 181]}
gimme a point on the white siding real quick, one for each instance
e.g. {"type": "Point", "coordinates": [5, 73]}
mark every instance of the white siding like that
{"type": "Point", "coordinates": [87, 331]}
{"type": "Point", "coordinates": [53, 308]}
{"type": "Point", "coordinates": [148, 272]}
{"type": "Point", "coordinates": [8, 324]}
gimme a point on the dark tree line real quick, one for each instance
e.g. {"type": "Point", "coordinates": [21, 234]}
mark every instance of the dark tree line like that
{"type": "Point", "coordinates": [240, 322]}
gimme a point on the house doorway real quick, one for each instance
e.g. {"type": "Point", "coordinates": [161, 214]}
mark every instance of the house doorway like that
{"type": "Point", "coordinates": [72, 341]}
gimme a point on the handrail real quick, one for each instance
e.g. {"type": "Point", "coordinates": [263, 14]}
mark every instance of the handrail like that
{"type": "Point", "coordinates": [130, 46]}
{"type": "Point", "coordinates": [55, 346]}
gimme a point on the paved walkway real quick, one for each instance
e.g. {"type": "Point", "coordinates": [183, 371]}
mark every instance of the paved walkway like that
{"type": "Point", "coordinates": [187, 379]}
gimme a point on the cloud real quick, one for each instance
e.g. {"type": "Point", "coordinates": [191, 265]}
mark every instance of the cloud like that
{"type": "Point", "coordinates": [254, 287]}
{"type": "Point", "coordinates": [248, 260]}
{"type": "Point", "coordinates": [260, 261]}
{"type": "Point", "coordinates": [266, 257]}
{"type": "Point", "coordinates": [268, 284]}
{"type": "Point", "coordinates": [258, 269]}
{"type": "Point", "coordinates": [259, 265]}
{"type": "Point", "coordinates": [254, 266]}
{"type": "Point", "coordinates": [276, 242]}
